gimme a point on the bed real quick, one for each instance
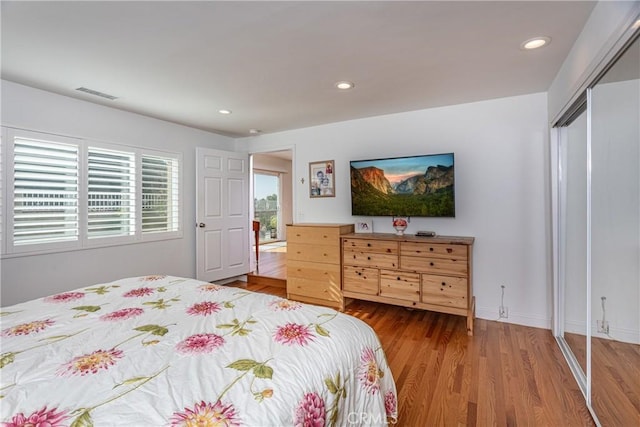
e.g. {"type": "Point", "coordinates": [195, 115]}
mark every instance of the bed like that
{"type": "Point", "coordinates": [162, 350]}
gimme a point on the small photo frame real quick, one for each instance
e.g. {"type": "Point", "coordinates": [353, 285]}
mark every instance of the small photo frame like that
{"type": "Point", "coordinates": [364, 226]}
{"type": "Point", "coordinates": [321, 179]}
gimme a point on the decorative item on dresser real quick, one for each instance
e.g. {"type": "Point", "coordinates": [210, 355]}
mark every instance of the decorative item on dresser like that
{"type": "Point", "coordinates": [313, 263]}
{"type": "Point", "coordinates": [430, 273]}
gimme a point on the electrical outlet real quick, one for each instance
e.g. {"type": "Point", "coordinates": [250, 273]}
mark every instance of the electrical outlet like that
{"type": "Point", "coordinates": [603, 327]}
{"type": "Point", "coordinates": [503, 312]}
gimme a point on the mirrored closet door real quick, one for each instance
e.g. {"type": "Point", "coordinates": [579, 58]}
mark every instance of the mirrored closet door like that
{"type": "Point", "coordinates": [598, 240]}
{"type": "Point", "coordinates": [573, 228]}
{"type": "Point", "coordinates": [615, 242]}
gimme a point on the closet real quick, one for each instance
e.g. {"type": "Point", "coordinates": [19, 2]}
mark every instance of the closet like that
{"type": "Point", "coordinates": [596, 156]}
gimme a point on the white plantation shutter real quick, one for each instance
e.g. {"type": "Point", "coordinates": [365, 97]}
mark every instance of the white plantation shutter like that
{"type": "Point", "coordinates": [111, 193]}
{"type": "Point", "coordinates": [160, 191]}
{"type": "Point", "coordinates": [63, 193]}
{"type": "Point", "coordinates": [45, 191]}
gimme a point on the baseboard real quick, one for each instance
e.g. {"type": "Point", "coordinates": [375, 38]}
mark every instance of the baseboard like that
{"type": "Point", "coordinates": [514, 317]}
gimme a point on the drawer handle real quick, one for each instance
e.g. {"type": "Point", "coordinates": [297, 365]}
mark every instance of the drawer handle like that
{"type": "Point", "coordinates": [431, 264]}
{"type": "Point", "coordinates": [444, 284]}
{"type": "Point", "coordinates": [369, 245]}
{"type": "Point", "coordinates": [398, 277]}
{"type": "Point", "coordinates": [449, 250]}
{"type": "Point", "coordinates": [430, 249]}
{"type": "Point", "coordinates": [368, 258]}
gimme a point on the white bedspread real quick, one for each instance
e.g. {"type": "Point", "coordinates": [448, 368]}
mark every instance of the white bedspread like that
{"type": "Point", "coordinates": [158, 350]}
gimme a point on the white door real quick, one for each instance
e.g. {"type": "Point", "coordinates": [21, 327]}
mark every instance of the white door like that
{"type": "Point", "coordinates": [222, 214]}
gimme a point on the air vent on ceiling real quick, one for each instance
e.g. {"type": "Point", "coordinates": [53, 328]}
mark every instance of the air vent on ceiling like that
{"type": "Point", "coordinates": [96, 93]}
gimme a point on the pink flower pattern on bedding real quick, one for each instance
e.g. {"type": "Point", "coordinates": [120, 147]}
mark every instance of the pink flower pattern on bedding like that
{"type": "Point", "coordinates": [40, 418]}
{"type": "Point", "coordinates": [92, 363]}
{"type": "Point", "coordinates": [140, 292]}
{"type": "Point", "coordinates": [293, 334]}
{"type": "Point", "coordinates": [236, 358]}
{"type": "Point", "coordinates": [65, 297]}
{"type": "Point", "coordinates": [206, 414]}
{"type": "Point", "coordinates": [28, 328]}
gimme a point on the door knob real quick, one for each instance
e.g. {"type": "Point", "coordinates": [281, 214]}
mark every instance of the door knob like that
{"type": "Point", "coordinates": [201, 225]}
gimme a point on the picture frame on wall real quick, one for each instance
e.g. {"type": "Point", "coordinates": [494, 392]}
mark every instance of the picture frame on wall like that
{"type": "Point", "coordinates": [322, 179]}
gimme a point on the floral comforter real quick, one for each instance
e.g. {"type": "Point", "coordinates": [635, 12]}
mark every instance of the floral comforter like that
{"type": "Point", "coordinates": [160, 350]}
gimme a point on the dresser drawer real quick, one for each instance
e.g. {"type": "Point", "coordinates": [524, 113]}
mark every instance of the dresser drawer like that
{"type": "Point", "coordinates": [361, 280]}
{"type": "Point", "coordinates": [326, 254]}
{"type": "Point", "coordinates": [444, 290]}
{"type": "Point", "coordinates": [433, 250]}
{"type": "Point", "coordinates": [369, 259]}
{"type": "Point", "coordinates": [455, 267]}
{"type": "Point", "coordinates": [314, 288]}
{"type": "Point", "coordinates": [400, 285]}
{"type": "Point", "coordinates": [379, 246]}
{"type": "Point", "coordinates": [313, 235]}
{"type": "Point", "coordinates": [329, 273]}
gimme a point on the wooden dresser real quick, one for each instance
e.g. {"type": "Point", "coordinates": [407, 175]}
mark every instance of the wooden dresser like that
{"type": "Point", "coordinates": [313, 263]}
{"type": "Point", "coordinates": [431, 273]}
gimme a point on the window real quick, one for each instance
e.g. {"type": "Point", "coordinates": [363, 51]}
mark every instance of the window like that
{"type": "Point", "coordinates": [160, 201]}
{"type": "Point", "coordinates": [66, 193]}
{"type": "Point", "coordinates": [45, 192]}
{"type": "Point", "coordinates": [111, 193]}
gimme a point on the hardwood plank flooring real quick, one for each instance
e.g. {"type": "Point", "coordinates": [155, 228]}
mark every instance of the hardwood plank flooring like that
{"type": "Point", "coordinates": [505, 375]}
{"type": "Point", "coordinates": [615, 371]}
{"type": "Point", "coordinates": [272, 264]}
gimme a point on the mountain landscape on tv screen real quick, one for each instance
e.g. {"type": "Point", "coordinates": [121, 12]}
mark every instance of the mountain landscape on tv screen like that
{"type": "Point", "coordinates": [426, 194]}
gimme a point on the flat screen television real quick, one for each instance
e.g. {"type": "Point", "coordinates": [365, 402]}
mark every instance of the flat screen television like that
{"type": "Point", "coordinates": [419, 186]}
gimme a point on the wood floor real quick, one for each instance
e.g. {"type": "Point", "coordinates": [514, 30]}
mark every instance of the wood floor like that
{"type": "Point", "coordinates": [505, 375]}
{"type": "Point", "coordinates": [615, 372]}
{"type": "Point", "coordinates": [272, 264]}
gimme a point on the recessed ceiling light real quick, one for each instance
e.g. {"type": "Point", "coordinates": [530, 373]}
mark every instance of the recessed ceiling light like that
{"type": "Point", "coordinates": [535, 43]}
{"type": "Point", "coordinates": [636, 25]}
{"type": "Point", "coordinates": [344, 85]}
{"type": "Point", "coordinates": [224, 111]}
{"type": "Point", "coordinates": [254, 131]}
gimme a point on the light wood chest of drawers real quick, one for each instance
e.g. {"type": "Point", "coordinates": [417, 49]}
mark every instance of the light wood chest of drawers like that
{"type": "Point", "coordinates": [431, 273]}
{"type": "Point", "coordinates": [313, 263]}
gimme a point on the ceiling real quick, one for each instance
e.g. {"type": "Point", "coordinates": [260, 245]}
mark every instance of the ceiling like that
{"type": "Point", "coordinates": [274, 64]}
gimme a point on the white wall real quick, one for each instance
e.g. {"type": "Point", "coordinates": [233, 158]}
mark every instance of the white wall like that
{"type": "Point", "coordinates": [30, 277]}
{"type": "Point", "coordinates": [266, 162]}
{"type": "Point", "coordinates": [501, 161]}
{"type": "Point", "coordinates": [607, 27]}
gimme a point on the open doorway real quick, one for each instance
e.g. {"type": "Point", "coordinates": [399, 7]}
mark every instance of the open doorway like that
{"type": "Point", "coordinates": [272, 202]}
{"type": "Point", "coordinates": [266, 204]}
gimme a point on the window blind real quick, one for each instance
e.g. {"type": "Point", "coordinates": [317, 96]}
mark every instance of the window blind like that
{"type": "Point", "coordinates": [45, 192]}
{"type": "Point", "coordinates": [160, 203]}
{"type": "Point", "coordinates": [111, 193]}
